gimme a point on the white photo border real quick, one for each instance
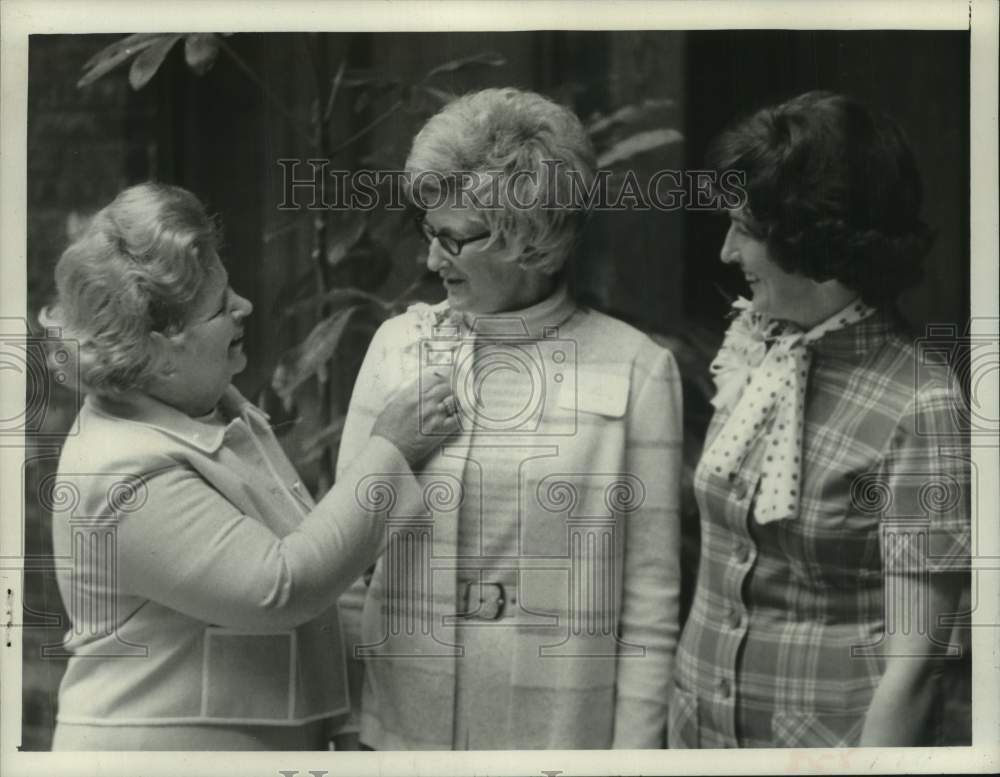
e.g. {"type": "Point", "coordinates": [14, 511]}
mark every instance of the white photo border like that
{"type": "Point", "coordinates": [20, 18]}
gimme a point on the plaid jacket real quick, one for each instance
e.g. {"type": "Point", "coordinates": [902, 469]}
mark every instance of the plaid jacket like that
{"type": "Point", "coordinates": [787, 616]}
{"type": "Point", "coordinates": [597, 578]}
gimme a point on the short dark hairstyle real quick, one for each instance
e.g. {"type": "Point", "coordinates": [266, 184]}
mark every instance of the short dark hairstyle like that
{"type": "Point", "coordinates": [835, 191]}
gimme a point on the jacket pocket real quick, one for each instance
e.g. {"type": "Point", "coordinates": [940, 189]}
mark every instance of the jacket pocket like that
{"type": "Point", "coordinates": [598, 393]}
{"type": "Point", "coordinates": [234, 661]}
{"type": "Point", "coordinates": [682, 720]}
{"type": "Point", "coordinates": [795, 728]}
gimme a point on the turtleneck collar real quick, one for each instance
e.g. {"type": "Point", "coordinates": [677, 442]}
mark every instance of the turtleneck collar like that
{"type": "Point", "coordinates": [534, 322]}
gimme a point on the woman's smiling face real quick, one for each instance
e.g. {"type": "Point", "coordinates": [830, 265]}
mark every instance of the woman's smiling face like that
{"type": "Point", "coordinates": [208, 352]}
{"type": "Point", "coordinates": [776, 293]}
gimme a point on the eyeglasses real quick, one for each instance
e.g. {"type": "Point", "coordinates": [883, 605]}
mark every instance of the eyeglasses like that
{"type": "Point", "coordinates": [452, 245]}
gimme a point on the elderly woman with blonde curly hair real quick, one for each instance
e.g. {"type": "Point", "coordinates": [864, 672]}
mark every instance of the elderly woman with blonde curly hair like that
{"type": "Point", "coordinates": [538, 609]}
{"type": "Point", "coordinates": [203, 590]}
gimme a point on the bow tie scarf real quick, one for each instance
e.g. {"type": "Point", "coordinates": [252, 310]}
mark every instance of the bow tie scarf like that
{"type": "Point", "coordinates": [761, 373]}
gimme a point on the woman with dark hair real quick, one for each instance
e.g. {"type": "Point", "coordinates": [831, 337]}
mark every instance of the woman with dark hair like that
{"type": "Point", "coordinates": [202, 594]}
{"type": "Point", "coordinates": [833, 523]}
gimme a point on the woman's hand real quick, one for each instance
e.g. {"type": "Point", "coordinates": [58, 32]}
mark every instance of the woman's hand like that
{"type": "Point", "coordinates": [902, 704]}
{"type": "Point", "coordinates": [418, 418]}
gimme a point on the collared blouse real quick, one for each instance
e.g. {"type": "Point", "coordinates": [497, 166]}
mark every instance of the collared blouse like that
{"type": "Point", "coordinates": [785, 629]}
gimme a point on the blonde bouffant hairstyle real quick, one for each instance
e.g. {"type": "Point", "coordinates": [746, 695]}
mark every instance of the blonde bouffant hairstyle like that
{"type": "Point", "coordinates": [136, 270]}
{"type": "Point", "coordinates": [528, 158]}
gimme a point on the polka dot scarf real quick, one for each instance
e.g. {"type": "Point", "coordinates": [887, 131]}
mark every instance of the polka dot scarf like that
{"type": "Point", "coordinates": [761, 373]}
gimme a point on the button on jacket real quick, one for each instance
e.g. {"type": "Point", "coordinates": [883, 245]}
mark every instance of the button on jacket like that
{"type": "Point", "coordinates": [784, 630]}
{"type": "Point", "coordinates": [200, 579]}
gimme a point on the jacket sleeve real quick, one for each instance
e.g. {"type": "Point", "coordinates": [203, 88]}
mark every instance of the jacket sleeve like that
{"type": "Point", "coordinates": [371, 390]}
{"type": "Point", "coordinates": [651, 575]}
{"type": "Point", "coordinates": [190, 549]}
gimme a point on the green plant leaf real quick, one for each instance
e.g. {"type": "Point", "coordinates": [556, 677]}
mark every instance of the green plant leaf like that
{"type": "Point", "coordinates": [366, 266]}
{"type": "Point", "coordinates": [295, 291]}
{"type": "Point", "coordinates": [282, 415]}
{"type": "Point", "coordinates": [361, 101]}
{"type": "Point", "coordinates": [314, 445]}
{"type": "Point", "coordinates": [637, 144]}
{"type": "Point", "coordinates": [484, 59]}
{"type": "Point", "coordinates": [438, 97]}
{"type": "Point", "coordinates": [129, 45]}
{"type": "Point", "coordinates": [386, 114]}
{"type": "Point", "coordinates": [370, 78]}
{"type": "Point", "coordinates": [344, 238]}
{"type": "Point", "coordinates": [334, 90]}
{"type": "Point", "coordinates": [148, 62]}
{"type": "Point", "coordinates": [200, 51]}
{"type": "Point", "coordinates": [310, 357]}
{"type": "Point", "coordinates": [337, 299]}
{"type": "Point", "coordinates": [629, 114]}
{"type": "Point", "coordinates": [426, 287]}
{"type": "Point", "coordinates": [110, 57]}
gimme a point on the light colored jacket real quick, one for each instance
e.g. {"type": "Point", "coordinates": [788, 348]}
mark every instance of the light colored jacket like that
{"type": "Point", "coordinates": [199, 575]}
{"type": "Point", "coordinates": [597, 502]}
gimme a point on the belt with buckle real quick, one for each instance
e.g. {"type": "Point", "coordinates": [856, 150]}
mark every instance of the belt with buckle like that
{"type": "Point", "coordinates": [483, 600]}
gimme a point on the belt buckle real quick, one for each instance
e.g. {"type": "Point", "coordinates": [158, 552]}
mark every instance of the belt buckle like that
{"type": "Point", "coordinates": [489, 609]}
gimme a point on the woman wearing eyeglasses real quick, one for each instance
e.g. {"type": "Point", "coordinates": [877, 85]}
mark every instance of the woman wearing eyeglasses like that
{"type": "Point", "coordinates": [201, 578]}
{"type": "Point", "coordinates": [538, 607]}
